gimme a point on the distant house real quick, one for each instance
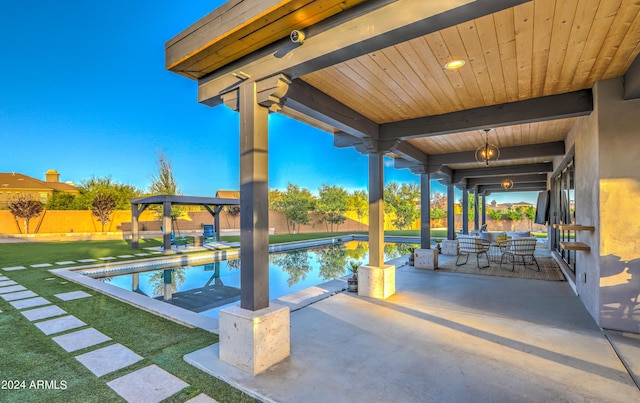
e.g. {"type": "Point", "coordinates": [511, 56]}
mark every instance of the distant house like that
{"type": "Point", "coordinates": [228, 194]}
{"type": "Point", "coordinates": [506, 206]}
{"type": "Point", "coordinates": [13, 184]}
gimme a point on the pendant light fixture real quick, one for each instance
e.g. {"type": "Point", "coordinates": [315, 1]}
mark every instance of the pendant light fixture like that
{"type": "Point", "coordinates": [487, 152]}
{"type": "Point", "coordinates": [507, 184]}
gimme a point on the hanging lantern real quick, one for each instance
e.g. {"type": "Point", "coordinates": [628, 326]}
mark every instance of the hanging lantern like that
{"type": "Point", "coordinates": [487, 152]}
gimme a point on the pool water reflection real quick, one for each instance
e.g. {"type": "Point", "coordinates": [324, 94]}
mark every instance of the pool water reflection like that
{"type": "Point", "coordinates": [211, 286]}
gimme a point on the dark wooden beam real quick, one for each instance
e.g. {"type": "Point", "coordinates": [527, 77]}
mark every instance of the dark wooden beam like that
{"type": "Point", "coordinates": [632, 80]}
{"type": "Point", "coordinates": [311, 102]}
{"type": "Point", "coordinates": [410, 153]}
{"type": "Point", "coordinates": [506, 153]}
{"type": "Point", "coordinates": [572, 104]}
{"type": "Point", "coordinates": [488, 180]}
{"type": "Point", "coordinates": [344, 140]}
{"type": "Point", "coordinates": [461, 174]}
{"type": "Point", "coordinates": [349, 34]}
{"type": "Point", "coordinates": [518, 187]}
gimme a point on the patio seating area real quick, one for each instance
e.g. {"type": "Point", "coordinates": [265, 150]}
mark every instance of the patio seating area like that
{"type": "Point", "coordinates": [444, 337]}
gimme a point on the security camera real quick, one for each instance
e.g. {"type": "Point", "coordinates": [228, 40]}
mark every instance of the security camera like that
{"type": "Point", "coordinates": [297, 36]}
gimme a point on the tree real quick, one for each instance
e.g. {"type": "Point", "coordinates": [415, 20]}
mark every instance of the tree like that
{"type": "Point", "coordinates": [530, 213]}
{"type": "Point", "coordinates": [495, 214]}
{"type": "Point", "coordinates": [61, 201]}
{"type": "Point", "coordinates": [332, 204]}
{"type": "Point", "coordinates": [358, 201]}
{"type": "Point", "coordinates": [437, 213]}
{"type": "Point", "coordinates": [234, 212]}
{"type": "Point", "coordinates": [26, 208]}
{"type": "Point", "coordinates": [514, 215]}
{"type": "Point", "coordinates": [296, 204]}
{"type": "Point", "coordinates": [119, 192]}
{"type": "Point", "coordinates": [102, 207]}
{"type": "Point", "coordinates": [163, 183]}
{"type": "Point", "coordinates": [403, 200]}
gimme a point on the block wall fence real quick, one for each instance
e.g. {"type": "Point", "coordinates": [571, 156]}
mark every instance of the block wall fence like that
{"type": "Point", "coordinates": [82, 221]}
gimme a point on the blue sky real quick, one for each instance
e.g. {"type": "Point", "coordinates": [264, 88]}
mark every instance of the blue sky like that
{"type": "Point", "coordinates": [83, 90]}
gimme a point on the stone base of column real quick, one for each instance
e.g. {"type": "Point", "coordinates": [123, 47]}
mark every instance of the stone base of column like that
{"type": "Point", "coordinates": [377, 282]}
{"type": "Point", "coordinates": [254, 340]}
{"type": "Point", "coordinates": [425, 259]}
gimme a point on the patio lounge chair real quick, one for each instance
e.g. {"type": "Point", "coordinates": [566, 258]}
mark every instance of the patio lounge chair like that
{"type": "Point", "coordinates": [177, 240]}
{"type": "Point", "coordinates": [519, 248]}
{"type": "Point", "coordinates": [208, 234]}
{"type": "Point", "coordinates": [475, 246]}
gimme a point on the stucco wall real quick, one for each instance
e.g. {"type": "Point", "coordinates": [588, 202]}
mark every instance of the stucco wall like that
{"type": "Point", "coordinates": [619, 174]}
{"type": "Point", "coordinates": [585, 135]}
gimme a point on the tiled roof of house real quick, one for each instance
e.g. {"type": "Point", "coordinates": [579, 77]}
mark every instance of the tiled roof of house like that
{"type": "Point", "coordinates": [17, 181]}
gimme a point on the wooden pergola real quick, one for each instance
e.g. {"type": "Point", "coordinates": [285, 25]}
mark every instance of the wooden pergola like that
{"type": "Point", "coordinates": [212, 204]}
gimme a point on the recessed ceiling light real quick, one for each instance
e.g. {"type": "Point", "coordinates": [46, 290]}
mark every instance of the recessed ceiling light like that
{"type": "Point", "coordinates": [455, 64]}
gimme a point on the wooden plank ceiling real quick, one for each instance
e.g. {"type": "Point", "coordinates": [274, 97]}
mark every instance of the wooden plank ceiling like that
{"type": "Point", "coordinates": [539, 48]}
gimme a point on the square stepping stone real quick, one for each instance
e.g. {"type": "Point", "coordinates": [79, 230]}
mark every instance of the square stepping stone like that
{"type": "Point", "coordinates": [42, 265]}
{"type": "Point", "coordinates": [149, 384]}
{"type": "Point", "coordinates": [157, 253]}
{"type": "Point", "coordinates": [68, 296]}
{"type": "Point", "coordinates": [202, 398]}
{"type": "Point", "coordinates": [81, 339]}
{"type": "Point", "coordinates": [50, 278]}
{"type": "Point", "coordinates": [107, 258]}
{"type": "Point", "coordinates": [125, 256]}
{"type": "Point", "coordinates": [108, 359]}
{"type": "Point", "coordinates": [5, 283]}
{"type": "Point", "coordinates": [43, 313]}
{"type": "Point", "coordinates": [143, 254]}
{"type": "Point", "coordinates": [2, 278]}
{"type": "Point", "coordinates": [29, 303]}
{"type": "Point", "coordinates": [66, 262]}
{"type": "Point", "coordinates": [18, 295]}
{"type": "Point", "coordinates": [87, 260]}
{"type": "Point", "coordinates": [13, 288]}
{"type": "Point", "coordinates": [13, 268]}
{"type": "Point", "coordinates": [58, 325]}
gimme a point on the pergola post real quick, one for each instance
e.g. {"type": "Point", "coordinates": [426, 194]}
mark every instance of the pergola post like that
{"type": "Point", "coordinates": [476, 216]}
{"type": "Point", "coordinates": [216, 222]}
{"type": "Point", "coordinates": [484, 209]}
{"type": "Point", "coordinates": [425, 216]}
{"type": "Point", "coordinates": [451, 222]}
{"type": "Point", "coordinates": [465, 211]}
{"type": "Point", "coordinates": [166, 226]}
{"type": "Point", "coordinates": [134, 227]}
{"type": "Point", "coordinates": [375, 279]}
{"type": "Point", "coordinates": [255, 335]}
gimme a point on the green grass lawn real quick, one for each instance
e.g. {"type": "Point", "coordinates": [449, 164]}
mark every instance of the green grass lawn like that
{"type": "Point", "coordinates": [27, 354]}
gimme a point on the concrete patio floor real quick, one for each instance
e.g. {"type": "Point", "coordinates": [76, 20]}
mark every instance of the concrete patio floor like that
{"type": "Point", "coordinates": [445, 337]}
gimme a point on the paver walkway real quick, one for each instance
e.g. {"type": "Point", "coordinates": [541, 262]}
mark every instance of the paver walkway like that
{"type": "Point", "coordinates": [149, 384]}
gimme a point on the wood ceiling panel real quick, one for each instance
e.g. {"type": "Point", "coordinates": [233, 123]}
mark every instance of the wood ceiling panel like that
{"type": "Point", "coordinates": [505, 32]}
{"type": "Point", "coordinates": [562, 23]}
{"type": "Point", "coordinates": [539, 48]}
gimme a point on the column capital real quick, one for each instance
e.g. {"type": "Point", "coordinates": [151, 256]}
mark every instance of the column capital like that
{"type": "Point", "coordinates": [270, 92]}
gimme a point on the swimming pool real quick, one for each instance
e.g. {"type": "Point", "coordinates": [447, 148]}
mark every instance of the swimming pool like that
{"type": "Point", "coordinates": [207, 287]}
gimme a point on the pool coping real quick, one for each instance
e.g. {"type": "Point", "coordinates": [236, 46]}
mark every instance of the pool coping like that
{"type": "Point", "coordinates": [294, 301]}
